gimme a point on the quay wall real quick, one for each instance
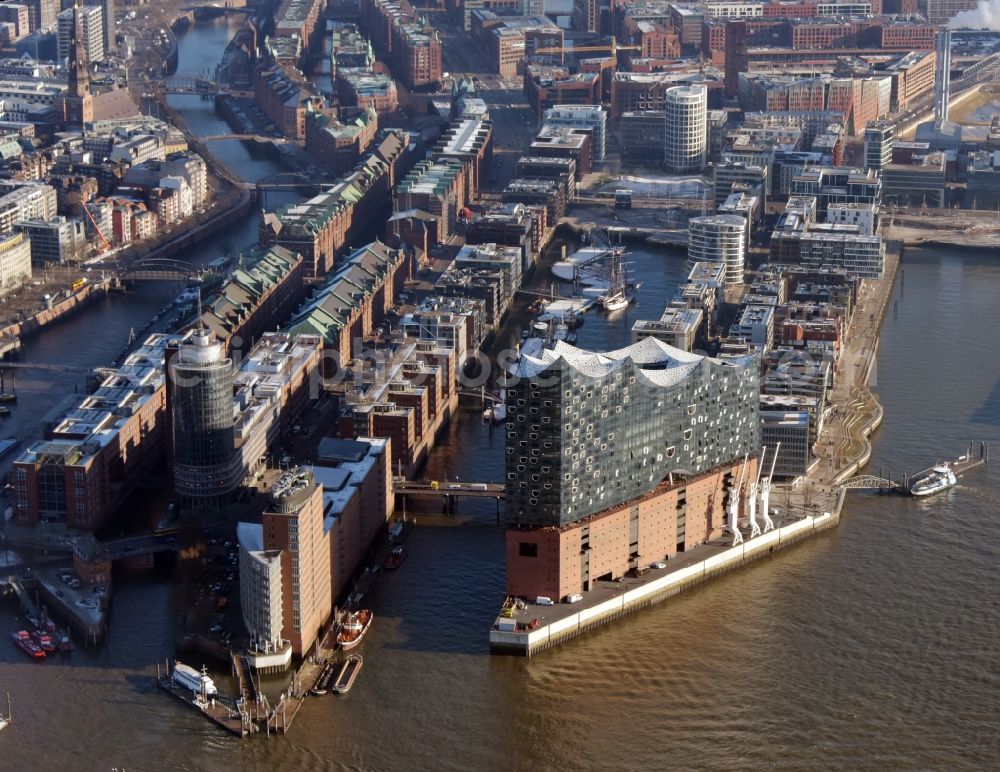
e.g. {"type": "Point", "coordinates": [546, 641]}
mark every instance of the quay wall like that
{"type": "Point", "coordinates": [658, 590]}
{"type": "Point", "coordinates": [64, 307]}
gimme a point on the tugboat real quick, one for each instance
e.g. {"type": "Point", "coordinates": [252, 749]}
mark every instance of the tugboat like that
{"type": "Point", "coordinates": [44, 641]}
{"type": "Point", "coordinates": [395, 558]}
{"type": "Point", "coordinates": [938, 479]}
{"type": "Point", "coordinates": [356, 624]}
{"type": "Point", "coordinates": [23, 641]}
{"type": "Point", "coordinates": [65, 642]}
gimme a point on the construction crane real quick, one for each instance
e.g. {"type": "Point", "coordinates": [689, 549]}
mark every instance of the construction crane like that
{"type": "Point", "coordinates": [613, 47]}
{"type": "Point", "coordinates": [107, 245]}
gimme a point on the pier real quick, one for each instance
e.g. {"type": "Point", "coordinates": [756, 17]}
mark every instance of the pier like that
{"type": "Point", "coordinates": [886, 484]}
{"type": "Point", "coordinates": [531, 629]}
{"type": "Point", "coordinates": [219, 709]}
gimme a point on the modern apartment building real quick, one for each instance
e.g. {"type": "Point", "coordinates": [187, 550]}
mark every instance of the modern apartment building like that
{"type": "Point", "coordinates": [686, 140]}
{"type": "Point", "coordinates": [719, 239]}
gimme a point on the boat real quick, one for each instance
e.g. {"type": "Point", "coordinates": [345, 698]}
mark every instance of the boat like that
{"type": "Point", "coordinates": [190, 678]}
{"type": "Point", "coordinates": [939, 478]}
{"type": "Point", "coordinates": [348, 674]}
{"type": "Point", "coordinates": [7, 396]}
{"type": "Point", "coordinates": [65, 642]}
{"type": "Point", "coordinates": [8, 717]}
{"type": "Point", "coordinates": [23, 641]}
{"type": "Point", "coordinates": [44, 641]}
{"type": "Point", "coordinates": [617, 297]}
{"type": "Point", "coordinates": [4, 410]}
{"type": "Point", "coordinates": [497, 413]}
{"type": "Point", "coordinates": [322, 684]}
{"type": "Point", "coordinates": [356, 624]}
{"type": "Point", "coordinates": [395, 558]}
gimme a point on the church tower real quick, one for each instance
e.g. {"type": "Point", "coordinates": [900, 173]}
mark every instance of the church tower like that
{"type": "Point", "coordinates": [79, 103]}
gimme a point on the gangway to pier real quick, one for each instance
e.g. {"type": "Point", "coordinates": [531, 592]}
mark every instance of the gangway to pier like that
{"type": "Point", "coordinates": [872, 482]}
{"type": "Point", "coordinates": [27, 604]}
{"type": "Point", "coordinates": [959, 466]}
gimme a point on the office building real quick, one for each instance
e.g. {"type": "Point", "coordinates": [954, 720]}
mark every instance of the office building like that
{"type": "Point", "coordinates": [206, 466]}
{"type": "Point", "coordinates": [42, 13]}
{"type": "Point", "coordinates": [100, 448]}
{"type": "Point", "coordinates": [686, 140]}
{"type": "Point", "coordinates": [356, 477]}
{"type": "Point", "coordinates": [878, 144]}
{"type": "Point", "coordinates": [293, 523]}
{"type": "Point", "coordinates": [59, 240]}
{"type": "Point", "coordinates": [591, 117]}
{"type": "Point", "coordinates": [942, 11]}
{"type": "Point", "coordinates": [791, 429]}
{"type": "Point", "coordinates": [107, 22]}
{"type": "Point", "coordinates": [15, 261]}
{"type": "Point", "coordinates": [261, 600]}
{"type": "Point", "coordinates": [92, 28]}
{"type": "Point", "coordinates": [719, 239]}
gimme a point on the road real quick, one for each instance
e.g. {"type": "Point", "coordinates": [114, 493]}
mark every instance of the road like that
{"type": "Point", "coordinates": [514, 122]}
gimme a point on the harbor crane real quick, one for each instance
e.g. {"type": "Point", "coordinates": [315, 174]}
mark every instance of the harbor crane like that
{"type": "Point", "coordinates": [765, 493]}
{"type": "Point", "coordinates": [752, 497]}
{"type": "Point", "coordinates": [734, 504]}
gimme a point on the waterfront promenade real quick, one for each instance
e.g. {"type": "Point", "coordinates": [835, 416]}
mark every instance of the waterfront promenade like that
{"type": "Point", "coordinates": [844, 444]}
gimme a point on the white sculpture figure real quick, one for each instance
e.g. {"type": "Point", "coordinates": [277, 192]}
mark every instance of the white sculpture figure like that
{"type": "Point", "coordinates": [765, 493]}
{"type": "Point", "coordinates": [734, 505]}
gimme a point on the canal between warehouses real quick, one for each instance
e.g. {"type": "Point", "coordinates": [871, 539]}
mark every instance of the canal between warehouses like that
{"type": "Point", "coordinates": [873, 645]}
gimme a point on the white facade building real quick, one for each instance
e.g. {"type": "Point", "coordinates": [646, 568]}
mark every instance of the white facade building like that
{"type": "Point", "coordinates": [755, 324]}
{"type": "Point", "coordinates": [685, 141]}
{"type": "Point", "coordinates": [92, 24]}
{"type": "Point", "coordinates": [15, 261]}
{"type": "Point", "coordinates": [260, 599]}
{"type": "Point", "coordinates": [864, 216]}
{"type": "Point", "coordinates": [593, 117]}
{"type": "Point", "coordinates": [25, 201]}
{"type": "Point", "coordinates": [719, 239]}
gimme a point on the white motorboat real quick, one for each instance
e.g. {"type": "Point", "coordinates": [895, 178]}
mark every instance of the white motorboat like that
{"type": "Point", "coordinates": [938, 479]}
{"type": "Point", "coordinates": [190, 678]}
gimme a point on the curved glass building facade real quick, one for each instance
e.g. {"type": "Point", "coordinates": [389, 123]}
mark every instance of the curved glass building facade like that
{"type": "Point", "coordinates": [720, 239]}
{"type": "Point", "coordinates": [206, 463]}
{"type": "Point", "coordinates": [587, 431]}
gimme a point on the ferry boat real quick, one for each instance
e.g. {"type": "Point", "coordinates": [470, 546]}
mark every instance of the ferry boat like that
{"type": "Point", "coordinates": [348, 674]}
{"type": "Point", "coordinates": [355, 627]}
{"type": "Point", "coordinates": [938, 479]}
{"type": "Point", "coordinates": [44, 641]}
{"type": "Point", "coordinates": [395, 558]}
{"type": "Point", "coordinates": [23, 641]}
{"type": "Point", "coordinates": [190, 678]}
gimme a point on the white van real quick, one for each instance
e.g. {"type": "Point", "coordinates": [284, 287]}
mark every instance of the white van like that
{"type": "Point", "coordinates": [543, 600]}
